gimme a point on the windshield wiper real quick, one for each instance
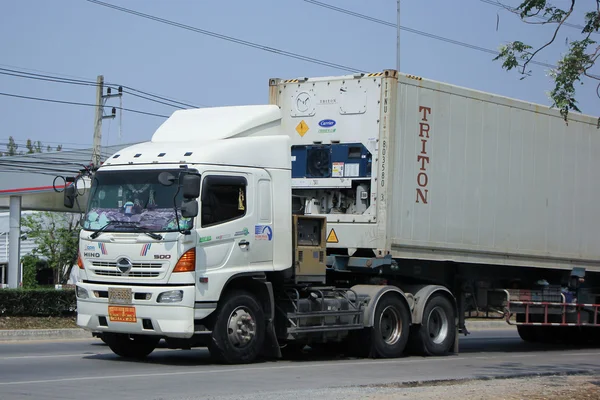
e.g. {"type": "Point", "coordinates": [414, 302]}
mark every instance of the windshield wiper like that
{"type": "Point", "coordinates": [151, 234]}
{"type": "Point", "coordinates": [109, 223]}
{"type": "Point", "coordinates": [130, 223]}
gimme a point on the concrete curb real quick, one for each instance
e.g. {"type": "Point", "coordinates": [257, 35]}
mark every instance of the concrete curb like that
{"type": "Point", "coordinates": [43, 334]}
{"type": "Point", "coordinates": [63, 334]}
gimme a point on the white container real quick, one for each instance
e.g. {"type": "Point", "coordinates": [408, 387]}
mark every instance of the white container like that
{"type": "Point", "coordinates": [458, 174]}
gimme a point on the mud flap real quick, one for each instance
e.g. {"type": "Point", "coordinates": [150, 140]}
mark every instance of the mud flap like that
{"type": "Point", "coordinates": [270, 347]}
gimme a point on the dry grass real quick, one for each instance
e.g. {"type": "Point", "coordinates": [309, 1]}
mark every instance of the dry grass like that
{"type": "Point", "coordinates": [37, 322]}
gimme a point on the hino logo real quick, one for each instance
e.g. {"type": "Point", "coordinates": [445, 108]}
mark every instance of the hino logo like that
{"type": "Point", "coordinates": [124, 265]}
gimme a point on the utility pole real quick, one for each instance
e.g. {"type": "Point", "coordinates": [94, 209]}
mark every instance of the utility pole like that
{"type": "Point", "coordinates": [398, 36]}
{"type": "Point", "coordinates": [100, 103]}
{"type": "Point", "coordinates": [98, 121]}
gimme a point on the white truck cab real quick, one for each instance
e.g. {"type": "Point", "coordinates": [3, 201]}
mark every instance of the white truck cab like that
{"type": "Point", "coordinates": [171, 221]}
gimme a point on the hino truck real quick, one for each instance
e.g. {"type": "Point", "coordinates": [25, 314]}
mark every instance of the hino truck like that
{"type": "Point", "coordinates": [370, 213]}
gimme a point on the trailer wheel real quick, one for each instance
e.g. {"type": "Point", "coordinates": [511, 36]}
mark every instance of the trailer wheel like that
{"type": "Point", "coordinates": [527, 333]}
{"type": "Point", "coordinates": [239, 329]}
{"type": "Point", "coordinates": [389, 334]}
{"type": "Point", "coordinates": [435, 336]}
{"type": "Point", "coordinates": [131, 346]}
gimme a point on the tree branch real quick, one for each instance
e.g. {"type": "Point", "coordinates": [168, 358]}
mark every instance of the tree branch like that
{"type": "Point", "coordinates": [567, 15]}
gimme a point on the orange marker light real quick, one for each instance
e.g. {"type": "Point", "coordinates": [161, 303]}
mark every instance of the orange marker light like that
{"type": "Point", "coordinates": [187, 262]}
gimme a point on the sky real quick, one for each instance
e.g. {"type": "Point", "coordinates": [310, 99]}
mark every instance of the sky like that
{"type": "Point", "coordinates": [78, 39]}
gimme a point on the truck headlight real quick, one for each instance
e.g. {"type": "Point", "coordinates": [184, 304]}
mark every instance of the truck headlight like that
{"type": "Point", "coordinates": [82, 293]}
{"type": "Point", "coordinates": [172, 296]}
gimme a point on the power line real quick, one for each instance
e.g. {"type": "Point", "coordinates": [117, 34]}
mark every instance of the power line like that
{"type": "Point", "coordinates": [415, 31]}
{"type": "Point", "coordinates": [79, 104]}
{"type": "Point", "coordinates": [18, 141]}
{"type": "Point", "coordinates": [228, 38]}
{"type": "Point", "coordinates": [49, 78]}
{"type": "Point", "coordinates": [512, 9]}
{"type": "Point", "coordinates": [81, 79]}
{"type": "Point", "coordinates": [158, 97]}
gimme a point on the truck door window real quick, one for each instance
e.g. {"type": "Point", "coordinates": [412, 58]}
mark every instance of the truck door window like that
{"type": "Point", "coordinates": [223, 199]}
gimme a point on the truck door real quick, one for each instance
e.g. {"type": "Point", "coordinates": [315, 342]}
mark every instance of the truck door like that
{"type": "Point", "coordinates": [262, 256]}
{"type": "Point", "coordinates": [226, 233]}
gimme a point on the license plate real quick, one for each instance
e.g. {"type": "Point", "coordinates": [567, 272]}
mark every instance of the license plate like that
{"type": "Point", "coordinates": [121, 314]}
{"type": "Point", "coordinates": [119, 295]}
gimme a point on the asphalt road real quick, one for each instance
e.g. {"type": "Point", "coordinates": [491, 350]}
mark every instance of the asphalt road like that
{"type": "Point", "coordinates": [79, 369]}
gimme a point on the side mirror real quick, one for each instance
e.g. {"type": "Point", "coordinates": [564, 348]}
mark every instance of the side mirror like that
{"type": "Point", "coordinates": [189, 209]}
{"type": "Point", "coordinates": [69, 196]}
{"type": "Point", "coordinates": [191, 186]}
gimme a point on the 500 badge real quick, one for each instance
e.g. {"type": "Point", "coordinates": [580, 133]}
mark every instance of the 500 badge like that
{"type": "Point", "coordinates": [162, 256]}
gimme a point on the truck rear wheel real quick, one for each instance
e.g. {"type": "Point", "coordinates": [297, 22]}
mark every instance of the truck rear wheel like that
{"type": "Point", "coordinates": [131, 346]}
{"type": "Point", "coordinates": [435, 336]}
{"type": "Point", "coordinates": [389, 334]}
{"type": "Point", "coordinates": [527, 333]}
{"type": "Point", "coordinates": [238, 330]}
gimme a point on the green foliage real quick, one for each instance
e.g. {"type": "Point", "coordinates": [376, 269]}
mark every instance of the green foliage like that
{"type": "Point", "coordinates": [12, 148]}
{"type": "Point", "coordinates": [576, 63]}
{"type": "Point", "coordinates": [37, 302]}
{"type": "Point", "coordinates": [56, 236]}
{"type": "Point", "coordinates": [30, 269]}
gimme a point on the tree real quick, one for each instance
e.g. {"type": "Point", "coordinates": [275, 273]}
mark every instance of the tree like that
{"type": "Point", "coordinates": [56, 236]}
{"type": "Point", "coordinates": [574, 65]}
{"type": "Point", "coordinates": [30, 269]}
{"type": "Point", "coordinates": [12, 148]}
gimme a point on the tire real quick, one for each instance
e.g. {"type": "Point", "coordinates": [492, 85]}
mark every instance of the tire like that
{"type": "Point", "coordinates": [437, 332]}
{"type": "Point", "coordinates": [389, 334]}
{"type": "Point", "coordinates": [527, 333]}
{"type": "Point", "coordinates": [131, 346]}
{"type": "Point", "coordinates": [242, 345]}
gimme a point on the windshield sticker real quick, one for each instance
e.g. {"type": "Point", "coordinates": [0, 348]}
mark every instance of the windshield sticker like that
{"type": "Point", "coordinates": [145, 249]}
{"type": "Point", "coordinates": [205, 239]}
{"type": "Point", "coordinates": [243, 232]}
{"type": "Point", "coordinates": [263, 232]}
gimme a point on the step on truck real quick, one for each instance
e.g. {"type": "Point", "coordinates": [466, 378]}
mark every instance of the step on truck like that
{"type": "Point", "coordinates": [373, 214]}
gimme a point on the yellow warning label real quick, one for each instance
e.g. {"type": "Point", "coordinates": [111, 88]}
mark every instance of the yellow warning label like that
{"type": "Point", "coordinates": [302, 128]}
{"type": "Point", "coordinates": [332, 237]}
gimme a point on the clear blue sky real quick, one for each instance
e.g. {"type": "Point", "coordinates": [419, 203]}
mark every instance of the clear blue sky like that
{"type": "Point", "coordinates": [79, 39]}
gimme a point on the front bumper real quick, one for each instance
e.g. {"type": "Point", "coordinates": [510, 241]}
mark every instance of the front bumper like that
{"type": "Point", "coordinates": [151, 318]}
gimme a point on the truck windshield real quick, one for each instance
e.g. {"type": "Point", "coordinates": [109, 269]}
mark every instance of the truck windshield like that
{"type": "Point", "coordinates": [133, 201]}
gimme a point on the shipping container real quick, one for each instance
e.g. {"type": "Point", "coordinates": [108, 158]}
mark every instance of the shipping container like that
{"type": "Point", "coordinates": [453, 173]}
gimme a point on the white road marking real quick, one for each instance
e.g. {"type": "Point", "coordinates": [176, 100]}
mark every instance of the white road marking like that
{"type": "Point", "coordinates": [269, 368]}
{"type": "Point", "coordinates": [224, 370]}
{"type": "Point", "coordinates": [52, 356]}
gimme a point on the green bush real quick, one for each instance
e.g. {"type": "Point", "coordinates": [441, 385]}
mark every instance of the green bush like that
{"type": "Point", "coordinates": [37, 302]}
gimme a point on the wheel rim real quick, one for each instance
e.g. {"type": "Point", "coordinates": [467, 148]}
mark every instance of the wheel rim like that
{"type": "Point", "coordinates": [241, 327]}
{"type": "Point", "coordinates": [437, 325]}
{"type": "Point", "coordinates": [390, 325]}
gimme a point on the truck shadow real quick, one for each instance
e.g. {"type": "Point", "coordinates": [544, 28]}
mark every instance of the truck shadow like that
{"type": "Point", "coordinates": [200, 356]}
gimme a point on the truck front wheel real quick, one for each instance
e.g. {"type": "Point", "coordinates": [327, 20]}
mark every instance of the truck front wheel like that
{"type": "Point", "coordinates": [238, 330]}
{"type": "Point", "coordinates": [131, 346]}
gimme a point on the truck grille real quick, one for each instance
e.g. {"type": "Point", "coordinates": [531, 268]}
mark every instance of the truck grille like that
{"type": "Point", "coordinates": [138, 270]}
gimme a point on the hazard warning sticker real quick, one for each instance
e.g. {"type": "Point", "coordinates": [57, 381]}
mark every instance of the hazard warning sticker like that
{"type": "Point", "coordinates": [332, 237]}
{"type": "Point", "coordinates": [302, 128]}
